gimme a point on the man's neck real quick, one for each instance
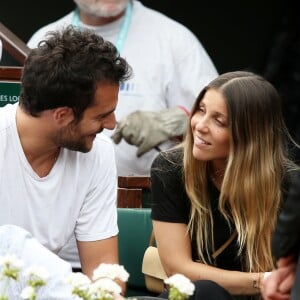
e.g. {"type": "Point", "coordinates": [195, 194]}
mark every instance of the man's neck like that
{"type": "Point", "coordinates": [40, 152]}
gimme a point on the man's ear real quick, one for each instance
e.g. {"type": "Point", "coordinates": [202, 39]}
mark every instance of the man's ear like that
{"type": "Point", "coordinates": [63, 115]}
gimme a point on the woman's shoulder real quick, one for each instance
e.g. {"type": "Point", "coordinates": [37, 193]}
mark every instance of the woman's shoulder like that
{"type": "Point", "coordinates": [169, 158]}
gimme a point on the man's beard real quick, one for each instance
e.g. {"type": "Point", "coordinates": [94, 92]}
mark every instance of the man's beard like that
{"type": "Point", "coordinates": [69, 139]}
{"type": "Point", "coordinates": [78, 145]}
{"type": "Point", "coordinates": [102, 9]}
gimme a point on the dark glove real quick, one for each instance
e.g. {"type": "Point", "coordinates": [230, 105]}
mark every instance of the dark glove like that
{"type": "Point", "coordinates": [148, 129]}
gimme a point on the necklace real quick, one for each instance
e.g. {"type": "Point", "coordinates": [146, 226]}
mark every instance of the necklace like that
{"type": "Point", "coordinates": [216, 176]}
{"type": "Point", "coordinates": [124, 27]}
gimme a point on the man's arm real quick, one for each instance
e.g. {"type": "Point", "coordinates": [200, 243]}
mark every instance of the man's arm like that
{"type": "Point", "coordinates": [94, 253]}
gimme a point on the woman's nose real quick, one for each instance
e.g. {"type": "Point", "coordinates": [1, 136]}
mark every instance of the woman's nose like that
{"type": "Point", "coordinates": [201, 123]}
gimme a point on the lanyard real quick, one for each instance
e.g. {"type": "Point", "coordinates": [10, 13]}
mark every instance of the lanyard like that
{"type": "Point", "coordinates": [124, 28]}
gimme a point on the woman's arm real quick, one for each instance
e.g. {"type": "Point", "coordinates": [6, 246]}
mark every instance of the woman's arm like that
{"type": "Point", "coordinates": [174, 247]}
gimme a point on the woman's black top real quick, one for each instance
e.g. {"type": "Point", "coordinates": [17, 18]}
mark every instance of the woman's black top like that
{"type": "Point", "coordinates": [170, 203]}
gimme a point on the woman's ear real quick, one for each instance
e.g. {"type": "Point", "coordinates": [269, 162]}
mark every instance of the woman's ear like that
{"type": "Point", "coordinates": [63, 115]}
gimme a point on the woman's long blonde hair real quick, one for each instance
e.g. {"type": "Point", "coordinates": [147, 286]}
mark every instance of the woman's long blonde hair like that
{"type": "Point", "coordinates": [250, 195]}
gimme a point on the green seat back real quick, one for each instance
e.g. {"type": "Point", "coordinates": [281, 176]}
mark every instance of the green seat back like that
{"type": "Point", "coordinates": [135, 227]}
{"type": "Point", "coordinates": [9, 92]}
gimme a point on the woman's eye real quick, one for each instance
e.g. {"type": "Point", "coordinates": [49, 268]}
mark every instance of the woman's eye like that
{"type": "Point", "coordinates": [220, 122]}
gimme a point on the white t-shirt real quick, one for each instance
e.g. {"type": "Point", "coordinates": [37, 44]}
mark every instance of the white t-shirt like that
{"type": "Point", "coordinates": [170, 68]}
{"type": "Point", "coordinates": [78, 196]}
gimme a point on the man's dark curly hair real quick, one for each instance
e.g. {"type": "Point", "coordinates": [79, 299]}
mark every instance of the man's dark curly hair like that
{"type": "Point", "coordinates": [65, 69]}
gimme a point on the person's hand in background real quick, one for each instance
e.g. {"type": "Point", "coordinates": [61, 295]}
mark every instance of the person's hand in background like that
{"type": "Point", "coordinates": [148, 129]}
{"type": "Point", "coordinates": [278, 284]}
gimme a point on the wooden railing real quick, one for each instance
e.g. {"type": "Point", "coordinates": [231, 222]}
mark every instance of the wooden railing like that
{"type": "Point", "coordinates": [131, 190]}
{"type": "Point", "coordinates": [10, 78]}
{"type": "Point", "coordinates": [13, 45]}
{"type": "Point", "coordinates": [10, 73]}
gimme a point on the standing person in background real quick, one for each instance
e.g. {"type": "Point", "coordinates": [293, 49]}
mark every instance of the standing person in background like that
{"type": "Point", "coordinates": [170, 67]}
{"type": "Point", "coordinates": [284, 282]}
{"type": "Point", "coordinates": [216, 197]}
{"type": "Point", "coordinates": [58, 174]}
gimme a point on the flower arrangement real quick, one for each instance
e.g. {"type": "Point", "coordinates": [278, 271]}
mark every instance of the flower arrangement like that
{"type": "Point", "coordinates": [35, 277]}
{"type": "Point", "coordinates": [103, 285]}
{"type": "Point", "coordinates": [10, 268]}
{"type": "Point", "coordinates": [180, 287]}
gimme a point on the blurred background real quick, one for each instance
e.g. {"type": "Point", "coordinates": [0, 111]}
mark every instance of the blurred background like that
{"type": "Point", "coordinates": [236, 34]}
{"type": "Point", "coordinates": [256, 35]}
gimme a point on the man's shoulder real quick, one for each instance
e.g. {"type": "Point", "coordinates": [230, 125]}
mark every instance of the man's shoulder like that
{"type": "Point", "coordinates": [159, 20]}
{"type": "Point", "coordinates": [6, 115]}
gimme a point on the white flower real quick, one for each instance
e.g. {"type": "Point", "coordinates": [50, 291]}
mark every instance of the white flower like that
{"type": "Point", "coordinates": [80, 285]}
{"type": "Point", "coordinates": [28, 293]}
{"type": "Point", "coordinates": [180, 286]}
{"type": "Point", "coordinates": [37, 272]}
{"type": "Point", "coordinates": [10, 266]}
{"type": "Point", "coordinates": [78, 280]}
{"type": "Point", "coordinates": [10, 260]}
{"type": "Point", "coordinates": [112, 271]}
{"type": "Point", "coordinates": [105, 286]}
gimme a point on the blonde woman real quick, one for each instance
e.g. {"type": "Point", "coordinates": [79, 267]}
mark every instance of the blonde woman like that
{"type": "Point", "coordinates": [216, 197]}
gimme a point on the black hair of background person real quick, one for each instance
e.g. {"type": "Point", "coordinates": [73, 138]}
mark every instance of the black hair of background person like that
{"type": "Point", "coordinates": [236, 34]}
